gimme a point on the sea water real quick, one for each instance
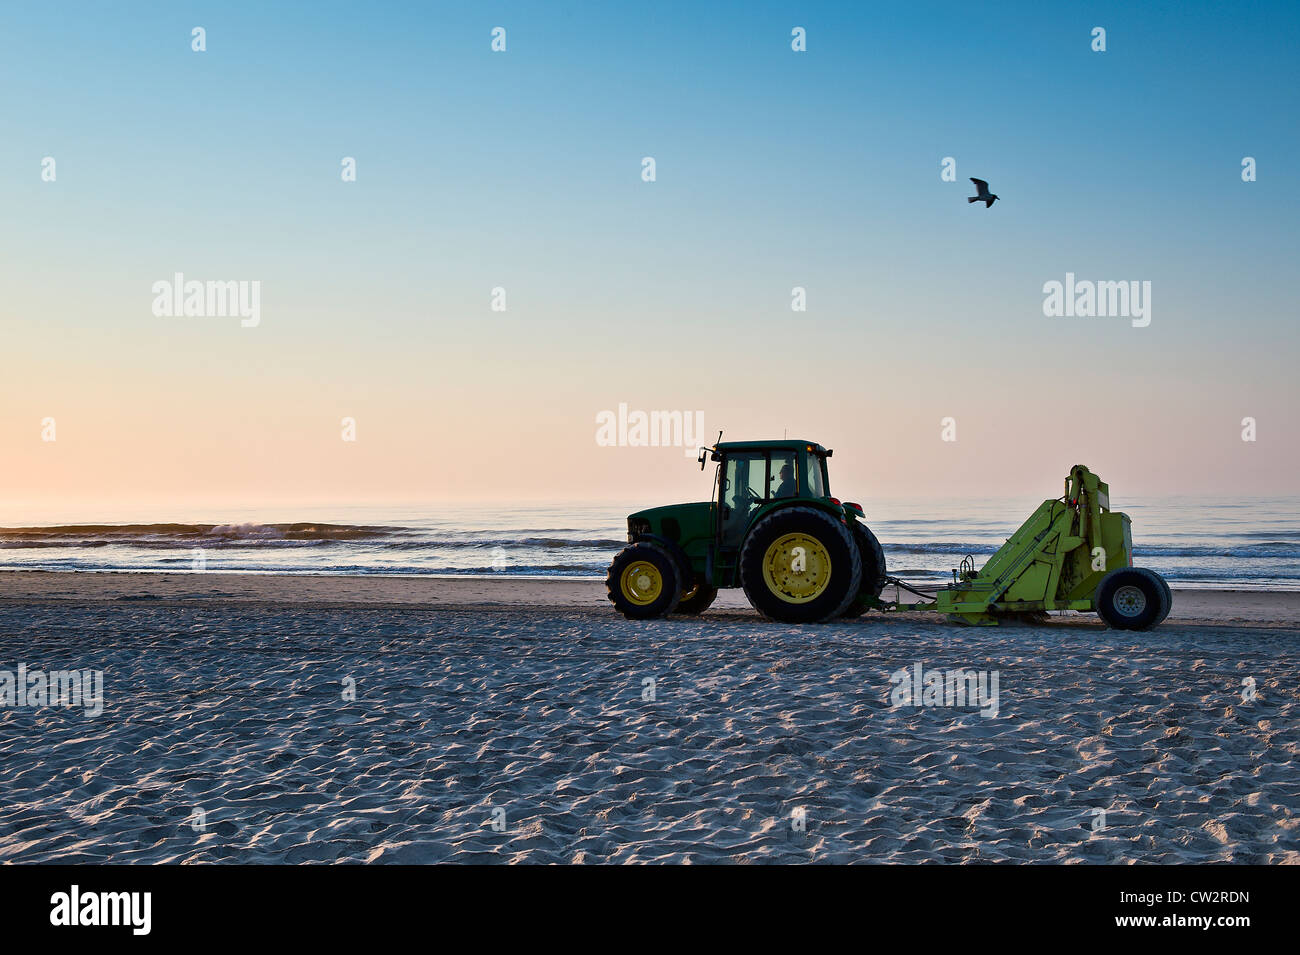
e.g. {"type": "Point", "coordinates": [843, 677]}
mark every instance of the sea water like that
{"type": "Point", "coordinates": [1193, 542]}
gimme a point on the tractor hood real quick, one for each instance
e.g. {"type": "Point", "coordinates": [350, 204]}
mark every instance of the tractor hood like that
{"type": "Point", "coordinates": [653, 513]}
{"type": "Point", "coordinates": [676, 522]}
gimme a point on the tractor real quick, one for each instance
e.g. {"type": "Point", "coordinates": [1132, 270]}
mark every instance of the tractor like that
{"type": "Point", "coordinates": [803, 556]}
{"type": "Point", "coordinates": [771, 527]}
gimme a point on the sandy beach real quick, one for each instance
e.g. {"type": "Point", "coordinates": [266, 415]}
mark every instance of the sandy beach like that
{"type": "Point", "coordinates": [268, 718]}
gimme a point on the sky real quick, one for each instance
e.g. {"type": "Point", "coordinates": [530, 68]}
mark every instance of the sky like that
{"type": "Point", "coordinates": [522, 170]}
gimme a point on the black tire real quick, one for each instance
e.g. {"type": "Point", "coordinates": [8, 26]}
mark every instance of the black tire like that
{"type": "Point", "coordinates": [873, 570]}
{"type": "Point", "coordinates": [620, 583]}
{"type": "Point", "coordinates": [698, 599]}
{"type": "Point", "coordinates": [1130, 598]}
{"type": "Point", "coordinates": [844, 572]}
{"type": "Point", "coordinates": [1168, 602]}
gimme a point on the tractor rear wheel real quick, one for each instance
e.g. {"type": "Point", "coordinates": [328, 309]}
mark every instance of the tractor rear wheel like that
{"type": "Point", "coordinates": [1130, 598]}
{"type": "Point", "coordinates": [800, 565]}
{"type": "Point", "coordinates": [642, 582]}
{"type": "Point", "coordinates": [697, 599]}
{"type": "Point", "coordinates": [873, 570]}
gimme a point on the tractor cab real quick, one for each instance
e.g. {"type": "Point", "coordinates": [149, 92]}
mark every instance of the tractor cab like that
{"type": "Point", "coordinates": [751, 476]}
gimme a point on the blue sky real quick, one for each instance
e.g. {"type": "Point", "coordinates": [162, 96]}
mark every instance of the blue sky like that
{"type": "Point", "coordinates": [774, 169]}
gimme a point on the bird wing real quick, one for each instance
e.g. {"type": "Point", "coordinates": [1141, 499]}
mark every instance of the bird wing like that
{"type": "Point", "coordinates": [981, 186]}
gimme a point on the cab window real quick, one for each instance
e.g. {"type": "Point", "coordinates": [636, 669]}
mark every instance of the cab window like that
{"type": "Point", "coordinates": [785, 475]}
{"type": "Point", "coordinates": [817, 476]}
{"type": "Point", "coordinates": [745, 480]}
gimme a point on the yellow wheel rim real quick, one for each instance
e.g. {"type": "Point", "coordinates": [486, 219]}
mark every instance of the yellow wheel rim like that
{"type": "Point", "coordinates": [797, 568]}
{"type": "Point", "coordinates": [641, 582]}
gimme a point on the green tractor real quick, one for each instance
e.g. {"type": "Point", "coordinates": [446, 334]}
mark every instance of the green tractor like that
{"type": "Point", "coordinates": [771, 527]}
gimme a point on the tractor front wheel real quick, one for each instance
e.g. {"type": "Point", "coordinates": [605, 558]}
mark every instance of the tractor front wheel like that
{"type": "Point", "coordinates": [642, 582]}
{"type": "Point", "coordinates": [799, 565]}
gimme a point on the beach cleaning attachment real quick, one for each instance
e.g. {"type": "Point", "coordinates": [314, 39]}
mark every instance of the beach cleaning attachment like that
{"type": "Point", "coordinates": [1074, 553]}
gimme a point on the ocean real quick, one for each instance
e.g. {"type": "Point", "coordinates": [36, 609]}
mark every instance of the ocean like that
{"type": "Point", "coordinates": [1194, 542]}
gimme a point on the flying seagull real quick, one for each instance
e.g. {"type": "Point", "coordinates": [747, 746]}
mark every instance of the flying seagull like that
{"type": "Point", "coordinates": [984, 196]}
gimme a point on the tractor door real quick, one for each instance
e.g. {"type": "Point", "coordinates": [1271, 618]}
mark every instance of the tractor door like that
{"type": "Point", "coordinates": [742, 489]}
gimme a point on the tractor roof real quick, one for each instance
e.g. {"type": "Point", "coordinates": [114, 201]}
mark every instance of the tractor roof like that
{"type": "Point", "coordinates": [785, 444]}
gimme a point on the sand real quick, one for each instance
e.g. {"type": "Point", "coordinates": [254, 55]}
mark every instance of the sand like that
{"type": "Point", "coordinates": [498, 720]}
{"type": "Point", "coordinates": [1196, 607]}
